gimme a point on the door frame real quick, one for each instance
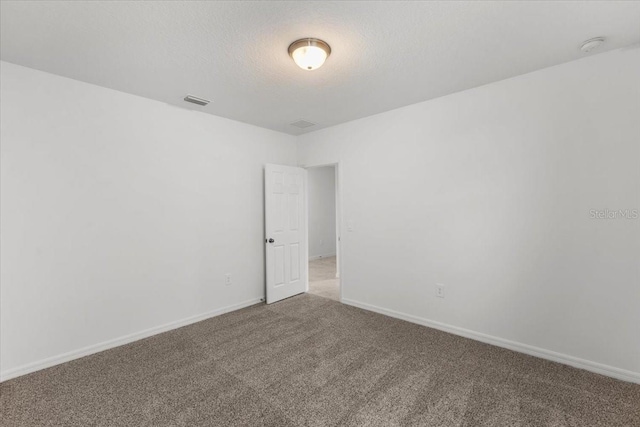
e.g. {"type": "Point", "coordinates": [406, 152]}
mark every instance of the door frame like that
{"type": "Point", "coordinates": [338, 219]}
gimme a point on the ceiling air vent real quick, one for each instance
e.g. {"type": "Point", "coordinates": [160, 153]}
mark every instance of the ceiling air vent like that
{"type": "Point", "coordinates": [302, 124]}
{"type": "Point", "coordinates": [196, 100]}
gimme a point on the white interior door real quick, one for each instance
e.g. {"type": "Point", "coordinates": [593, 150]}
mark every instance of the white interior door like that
{"type": "Point", "coordinates": [285, 231]}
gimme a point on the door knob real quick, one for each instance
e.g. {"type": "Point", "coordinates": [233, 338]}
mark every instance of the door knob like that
{"type": "Point", "coordinates": [271, 240]}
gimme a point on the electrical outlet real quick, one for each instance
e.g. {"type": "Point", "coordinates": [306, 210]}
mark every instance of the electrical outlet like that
{"type": "Point", "coordinates": [227, 279]}
{"type": "Point", "coordinates": [439, 290]}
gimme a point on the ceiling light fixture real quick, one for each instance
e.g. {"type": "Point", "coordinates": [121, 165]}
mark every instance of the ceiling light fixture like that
{"type": "Point", "coordinates": [592, 44]}
{"type": "Point", "coordinates": [309, 53]}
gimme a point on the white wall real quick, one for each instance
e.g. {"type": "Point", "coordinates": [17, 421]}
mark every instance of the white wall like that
{"type": "Point", "coordinates": [121, 214]}
{"type": "Point", "coordinates": [489, 192]}
{"type": "Point", "coordinates": [321, 183]}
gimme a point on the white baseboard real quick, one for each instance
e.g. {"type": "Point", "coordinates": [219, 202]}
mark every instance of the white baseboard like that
{"type": "Point", "coordinates": [86, 351]}
{"type": "Point", "coordinates": [576, 362]}
{"type": "Point", "coordinates": [315, 257]}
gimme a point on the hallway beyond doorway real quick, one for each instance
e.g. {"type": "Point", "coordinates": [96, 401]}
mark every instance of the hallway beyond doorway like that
{"type": "Point", "coordinates": [322, 278]}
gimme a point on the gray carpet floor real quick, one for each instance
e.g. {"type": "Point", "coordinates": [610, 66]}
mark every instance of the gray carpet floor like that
{"type": "Point", "coordinates": [311, 361]}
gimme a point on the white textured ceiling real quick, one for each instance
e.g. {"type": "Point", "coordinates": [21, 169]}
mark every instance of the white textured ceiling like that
{"type": "Point", "coordinates": [384, 54]}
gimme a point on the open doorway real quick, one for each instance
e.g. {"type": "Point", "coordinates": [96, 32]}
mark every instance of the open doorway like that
{"type": "Point", "coordinates": [323, 231]}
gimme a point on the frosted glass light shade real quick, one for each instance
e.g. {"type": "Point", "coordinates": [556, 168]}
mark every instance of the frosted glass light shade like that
{"type": "Point", "coordinates": [309, 54]}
